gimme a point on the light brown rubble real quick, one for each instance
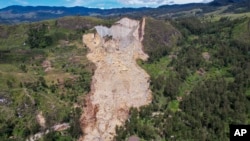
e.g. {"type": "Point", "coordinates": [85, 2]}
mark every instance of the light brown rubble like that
{"type": "Point", "coordinates": [61, 127]}
{"type": "Point", "coordinates": [206, 56]}
{"type": "Point", "coordinates": [118, 83]}
{"type": "Point", "coordinates": [46, 65]}
{"type": "Point", "coordinates": [41, 119]}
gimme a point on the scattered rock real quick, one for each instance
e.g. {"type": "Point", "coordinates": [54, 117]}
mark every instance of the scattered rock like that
{"type": "Point", "coordinates": [157, 114]}
{"type": "Point", "coordinates": [41, 119]}
{"type": "Point", "coordinates": [201, 72]}
{"type": "Point", "coordinates": [172, 56]}
{"type": "Point", "coordinates": [46, 65]}
{"type": "Point", "coordinates": [61, 127]}
{"type": "Point", "coordinates": [3, 100]}
{"type": "Point", "coordinates": [37, 136]}
{"type": "Point", "coordinates": [179, 98]}
{"type": "Point", "coordinates": [206, 56]}
{"type": "Point", "coordinates": [57, 128]}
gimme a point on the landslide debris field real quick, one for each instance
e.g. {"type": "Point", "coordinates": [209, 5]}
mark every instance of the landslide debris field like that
{"type": "Point", "coordinates": [118, 82]}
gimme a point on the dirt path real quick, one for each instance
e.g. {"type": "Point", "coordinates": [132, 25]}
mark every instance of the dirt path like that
{"type": "Point", "coordinates": [118, 83]}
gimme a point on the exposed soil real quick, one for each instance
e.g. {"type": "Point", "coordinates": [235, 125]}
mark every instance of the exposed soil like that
{"type": "Point", "coordinates": [206, 56]}
{"type": "Point", "coordinates": [118, 83]}
{"type": "Point", "coordinates": [40, 119]}
{"type": "Point", "coordinates": [46, 65]}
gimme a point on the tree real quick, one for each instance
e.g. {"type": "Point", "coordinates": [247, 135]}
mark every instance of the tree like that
{"type": "Point", "coordinates": [38, 38]}
{"type": "Point", "coordinates": [75, 128]}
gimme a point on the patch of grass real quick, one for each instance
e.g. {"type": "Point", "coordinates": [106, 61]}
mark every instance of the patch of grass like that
{"type": "Point", "coordinates": [220, 10]}
{"type": "Point", "coordinates": [215, 72]}
{"type": "Point", "coordinates": [241, 32]}
{"type": "Point", "coordinates": [173, 105]}
{"type": "Point", "coordinates": [248, 92]}
{"type": "Point", "coordinates": [217, 17]}
{"type": "Point", "coordinates": [157, 68]}
{"type": "Point", "coordinates": [8, 68]}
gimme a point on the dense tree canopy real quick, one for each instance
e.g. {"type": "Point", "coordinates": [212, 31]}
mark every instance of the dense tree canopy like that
{"type": "Point", "coordinates": [197, 97]}
{"type": "Point", "coordinates": [37, 37]}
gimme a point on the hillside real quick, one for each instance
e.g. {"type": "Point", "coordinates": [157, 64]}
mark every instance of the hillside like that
{"type": "Point", "coordinates": [198, 68]}
{"type": "Point", "coordinates": [43, 79]}
{"type": "Point", "coordinates": [200, 83]}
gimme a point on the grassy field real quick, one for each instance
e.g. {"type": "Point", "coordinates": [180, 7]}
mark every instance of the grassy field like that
{"type": "Point", "coordinates": [216, 17]}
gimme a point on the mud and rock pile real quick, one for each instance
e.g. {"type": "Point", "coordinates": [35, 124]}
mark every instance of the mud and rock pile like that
{"type": "Point", "coordinates": [118, 83]}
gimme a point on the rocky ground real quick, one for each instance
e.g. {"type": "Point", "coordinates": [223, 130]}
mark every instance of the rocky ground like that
{"type": "Point", "coordinates": [118, 83]}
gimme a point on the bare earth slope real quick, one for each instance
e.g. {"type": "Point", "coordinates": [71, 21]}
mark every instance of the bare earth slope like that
{"type": "Point", "coordinates": [118, 83]}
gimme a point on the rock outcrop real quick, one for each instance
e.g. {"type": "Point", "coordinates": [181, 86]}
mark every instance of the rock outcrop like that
{"type": "Point", "coordinates": [118, 83]}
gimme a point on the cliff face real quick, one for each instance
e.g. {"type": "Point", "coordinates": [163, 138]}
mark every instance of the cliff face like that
{"type": "Point", "coordinates": [118, 83]}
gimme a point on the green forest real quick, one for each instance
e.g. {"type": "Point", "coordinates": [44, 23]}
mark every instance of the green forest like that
{"type": "Point", "coordinates": [200, 74]}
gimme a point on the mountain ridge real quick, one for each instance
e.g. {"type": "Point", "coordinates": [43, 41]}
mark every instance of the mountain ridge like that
{"type": "Point", "coordinates": [19, 14]}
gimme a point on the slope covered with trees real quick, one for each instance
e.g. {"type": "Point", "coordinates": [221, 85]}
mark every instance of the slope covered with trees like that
{"type": "Point", "coordinates": [44, 72]}
{"type": "Point", "coordinates": [200, 85]}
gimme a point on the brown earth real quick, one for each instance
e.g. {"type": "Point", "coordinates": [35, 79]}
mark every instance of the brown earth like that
{"type": "Point", "coordinates": [118, 83]}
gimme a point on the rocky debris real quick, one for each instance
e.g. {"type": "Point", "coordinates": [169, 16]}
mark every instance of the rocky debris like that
{"type": "Point", "coordinates": [120, 32]}
{"type": "Point", "coordinates": [172, 56]}
{"type": "Point", "coordinates": [61, 127]}
{"type": "Point", "coordinates": [103, 31]}
{"type": "Point", "coordinates": [206, 56]}
{"type": "Point", "coordinates": [46, 65]}
{"type": "Point", "coordinates": [41, 119]}
{"type": "Point", "coordinates": [3, 101]}
{"type": "Point", "coordinates": [155, 114]}
{"type": "Point", "coordinates": [37, 136]}
{"type": "Point", "coordinates": [118, 83]}
{"type": "Point", "coordinates": [57, 128]}
{"type": "Point", "coordinates": [201, 72]}
{"type": "Point", "coordinates": [141, 30]}
{"type": "Point", "coordinates": [179, 98]}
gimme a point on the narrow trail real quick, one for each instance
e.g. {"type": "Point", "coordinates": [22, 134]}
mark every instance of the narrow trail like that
{"type": "Point", "coordinates": [118, 83]}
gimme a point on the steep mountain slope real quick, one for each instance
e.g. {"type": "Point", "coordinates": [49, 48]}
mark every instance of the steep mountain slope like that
{"type": "Point", "coordinates": [200, 85]}
{"type": "Point", "coordinates": [43, 86]}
